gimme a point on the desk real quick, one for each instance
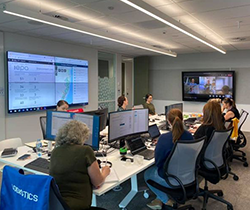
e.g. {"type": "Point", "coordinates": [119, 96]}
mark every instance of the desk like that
{"type": "Point", "coordinates": [123, 171]}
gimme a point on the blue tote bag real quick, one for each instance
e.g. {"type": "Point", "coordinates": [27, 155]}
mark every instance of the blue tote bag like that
{"type": "Point", "coordinates": [24, 192]}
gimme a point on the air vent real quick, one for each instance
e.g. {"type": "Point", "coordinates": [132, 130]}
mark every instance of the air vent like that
{"type": "Point", "coordinates": [240, 39]}
{"type": "Point", "coordinates": [61, 17]}
{"type": "Point", "coordinates": [152, 24]}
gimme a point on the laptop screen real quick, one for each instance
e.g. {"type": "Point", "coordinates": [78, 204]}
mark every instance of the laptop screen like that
{"type": "Point", "coordinates": [153, 131]}
{"type": "Point", "coordinates": [135, 144]}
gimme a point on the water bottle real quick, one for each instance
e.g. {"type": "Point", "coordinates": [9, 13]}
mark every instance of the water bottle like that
{"type": "Point", "coordinates": [39, 148]}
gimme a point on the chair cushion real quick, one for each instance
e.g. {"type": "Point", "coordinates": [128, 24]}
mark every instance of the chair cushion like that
{"type": "Point", "coordinates": [212, 175]}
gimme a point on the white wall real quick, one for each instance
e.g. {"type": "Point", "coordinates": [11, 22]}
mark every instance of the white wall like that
{"type": "Point", "coordinates": [165, 77]}
{"type": "Point", "coordinates": [26, 125]}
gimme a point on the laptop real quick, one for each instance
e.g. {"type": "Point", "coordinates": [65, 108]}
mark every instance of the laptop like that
{"type": "Point", "coordinates": [137, 147]}
{"type": "Point", "coordinates": [154, 132]}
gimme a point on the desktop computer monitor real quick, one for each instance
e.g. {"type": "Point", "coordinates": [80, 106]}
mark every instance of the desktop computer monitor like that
{"type": "Point", "coordinates": [125, 123]}
{"type": "Point", "coordinates": [103, 114]}
{"type": "Point", "coordinates": [55, 120]}
{"type": "Point", "coordinates": [172, 106]}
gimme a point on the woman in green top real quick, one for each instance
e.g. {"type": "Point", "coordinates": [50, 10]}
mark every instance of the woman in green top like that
{"type": "Point", "coordinates": [122, 103]}
{"type": "Point", "coordinates": [148, 105]}
{"type": "Point", "coordinates": [75, 167]}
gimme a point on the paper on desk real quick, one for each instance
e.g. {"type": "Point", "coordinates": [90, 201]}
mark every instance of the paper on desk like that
{"type": "Point", "coordinates": [112, 177]}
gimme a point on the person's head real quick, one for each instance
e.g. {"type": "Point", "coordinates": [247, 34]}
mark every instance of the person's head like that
{"type": "Point", "coordinates": [217, 100]}
{"type": "Point", "coordinates": [212, 115]}
{"type": "Point", "coordinates": [122, 101]}
{"type": "Point", "coordinates": [72, 133]}
{"type": "Point", "coordinates": [192, 81]}
{"type": "Point", "coordinates": [175, 118]}
{"type": "Point", "coordinates": [62, 105]}
{"type": "Point", "coordinates": [228, 103]}
{"type": "Point", "coordinates": [148, 98]}
{"type": "Point", "coordinates": [208, 81]}
{"type": "Point", "coordinates": [225, 89]}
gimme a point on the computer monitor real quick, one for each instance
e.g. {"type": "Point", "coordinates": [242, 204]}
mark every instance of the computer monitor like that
{"type": "Point", "coordinates": [125, 123]}
{"type": "Point", "coordinates": [172, 106]}
{"type": "Point", "coordinates": [103, 114]}
{"type": "Point", "coordinates": [55, 120]}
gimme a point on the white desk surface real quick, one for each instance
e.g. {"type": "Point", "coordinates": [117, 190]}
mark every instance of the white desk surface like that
{"type": "Point", "coordinates": [123, 171]}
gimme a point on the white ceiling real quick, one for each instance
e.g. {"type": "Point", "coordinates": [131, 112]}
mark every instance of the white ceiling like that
{"type": "Point", "coordinates": [218, 20]}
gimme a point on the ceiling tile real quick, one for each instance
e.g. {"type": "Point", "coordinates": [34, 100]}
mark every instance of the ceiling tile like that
{"type": "Point", "coordinates": [110, 7]}
{"type": "Point", "coordinates": [7, 18]}
{"type": "Point", "coordinates": [133, 17]}
{"type": "Point", "coordinates": [157, 3]}
{"type": "Point", "coordinates": [172, 10]}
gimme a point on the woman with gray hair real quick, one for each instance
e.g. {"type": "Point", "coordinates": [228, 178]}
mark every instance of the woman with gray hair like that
{"type": "Point", "coordinates": [74, 166]}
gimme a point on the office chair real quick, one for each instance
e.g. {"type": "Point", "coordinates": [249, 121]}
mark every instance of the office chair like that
{"type": "Point", "coordinates": [43, 125]}
{"type": "Point", "coordinates": [214, 166]}
{"type": "Point", "coordinates": [181, 169]}
{"type": "Point", "coordinates": [241, 140]}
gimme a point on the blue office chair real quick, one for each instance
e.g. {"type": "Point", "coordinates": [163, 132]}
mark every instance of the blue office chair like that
{"type": "Point", "coordinates": [181, 169]}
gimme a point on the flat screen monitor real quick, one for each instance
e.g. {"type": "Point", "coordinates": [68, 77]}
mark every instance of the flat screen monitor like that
{"type": "Point", "coordinates": [201, 86]}
{"type": "Point", "coordinates": [103, 114]}
{"type": "Point", "coordinates": [55, 120]}
{"type": "Point", "coordinates": [172, 106]}
{"type": "Point", "coordinates": [126, 123]}
{"type": "Point", "coordinates": [38, 82]}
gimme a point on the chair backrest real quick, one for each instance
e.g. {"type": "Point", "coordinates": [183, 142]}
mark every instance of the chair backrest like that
{"type": "Point", "coordinates": [182, 162]}
{"type": "Point", "coordinates": [243, 116]}
{"type": "Point", "coordinates": [11, 143]}
{"type": "Point", "coordinates": [215, 147]}
{"type": "Point", "coordinates": [43, 125]}
{"type": "Point", "coordinates": [33, 192]}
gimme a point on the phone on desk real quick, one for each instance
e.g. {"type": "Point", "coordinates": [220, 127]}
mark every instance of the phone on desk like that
{"type": "Point", "coordinates": [24, 157]}
{"type": "Point", "coordinates": [125, 158]}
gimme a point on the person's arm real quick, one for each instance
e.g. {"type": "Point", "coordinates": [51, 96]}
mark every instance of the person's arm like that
{"type": "Point", "coordinates": [229, 115]}
{"type": "Point", "coordinates": [161, 151]}
{"type": "Point", "coordinates": [97, 177]}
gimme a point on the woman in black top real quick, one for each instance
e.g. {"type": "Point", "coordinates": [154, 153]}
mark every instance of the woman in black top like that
{"type": "Point", "coordinates": [212, 120]}
{"type": "Point", "coordinates": [230, 109]}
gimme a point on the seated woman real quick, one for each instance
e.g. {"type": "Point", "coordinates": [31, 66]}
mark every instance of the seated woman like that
{"type": "Point", "coordinates": [122, 103]}
{"type": "Point", "coordinates": [62, 106]}
{"type": "Point", "coordinates": [162, 151]}
{"type": "Point", "coordinates": [75, 167]}
{"type": "Point", "coordinates": [229, 109]}
{"type": "Point", "coordinates": [212, 120]}
{"type": "Point", "coordinates": [148, 105]}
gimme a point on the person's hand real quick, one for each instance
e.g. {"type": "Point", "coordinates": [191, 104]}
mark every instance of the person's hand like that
{"type": "Point", "coordinates": [105, 171]}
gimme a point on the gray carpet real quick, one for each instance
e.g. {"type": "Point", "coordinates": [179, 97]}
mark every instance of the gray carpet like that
{"type": "Point", "coordinates": [236, 192]}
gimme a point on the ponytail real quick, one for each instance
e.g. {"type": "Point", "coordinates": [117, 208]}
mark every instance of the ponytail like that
{"type": "Point", "coordinates": [230, 102]}
{"type": "Point", "coordinates": [177, 129]}
{"type": "Point", "coordinates": [233, 103]}
{"type": "Point", "coordinates": [176, 120]}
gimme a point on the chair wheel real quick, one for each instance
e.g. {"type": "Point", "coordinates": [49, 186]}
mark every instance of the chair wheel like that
{"type": "Point", "coordinates": [191, 208]}
{"type": "Point", "coordinates": [245, 164]}
{"type": "Point", "coordinates": [230, 208]}
{"type": "Point", "coordinates": [236, 178]}
{"type": "Point", "coordinates": [146, 195]}
{"type": "Point", "coordinates": [243, 158]}
{"type": "Point", "coordinates": [220, 194]}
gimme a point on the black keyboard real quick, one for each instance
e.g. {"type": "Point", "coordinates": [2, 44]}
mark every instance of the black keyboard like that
{"type": "Point", "coordinates": [147, 154]}
{"type": "Point", "coordinates": [40, 164]}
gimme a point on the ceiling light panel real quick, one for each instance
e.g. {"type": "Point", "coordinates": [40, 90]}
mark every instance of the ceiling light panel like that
{"type": "Point", "coordinates": [72, 27]}
{"type": "Point", "coordinates": [156, 14]}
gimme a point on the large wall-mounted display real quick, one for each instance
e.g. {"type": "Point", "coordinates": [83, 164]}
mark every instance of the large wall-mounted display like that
{"type": "Point", "coordinates": [201, 86]}
{"type": "Point", "coordinates": [38, 82]}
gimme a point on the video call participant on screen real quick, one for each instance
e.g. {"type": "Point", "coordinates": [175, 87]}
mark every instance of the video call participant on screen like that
{"type": "Point", "coordinates": [148, 105]}
{"type": "Point", "coordinates": [212, 120]}
{"type": "Point", "coordinates": [163, 149]}
{"type": "Point", "coordinates": [75, 167]}
{"type": "Point", "coordinates": [122, 103]}
{"type": "Point", "coordinates": [62, 106]}
{"type": "Point", "coordinates": [229, 109]}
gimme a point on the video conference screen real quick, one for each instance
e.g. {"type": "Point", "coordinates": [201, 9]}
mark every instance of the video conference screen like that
{"type": "Point", "coordinates": [201, 86]}
{"type": "Point", "coordinates": [38, 82]}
